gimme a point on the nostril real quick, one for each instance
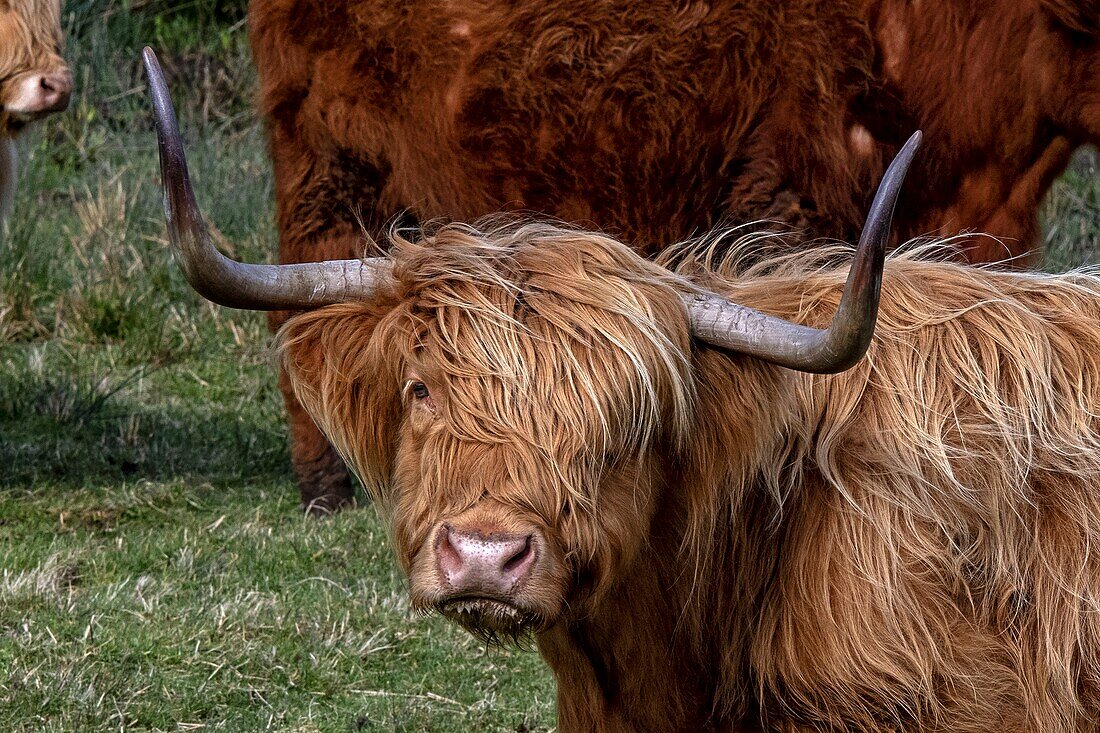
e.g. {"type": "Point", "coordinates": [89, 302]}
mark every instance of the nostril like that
{"type": "Point", "coordinates": [521, 557]}
{"type": "Point", "coordinates": [56, 83]}
{"type": "Point", "coordinates": [450, 559]}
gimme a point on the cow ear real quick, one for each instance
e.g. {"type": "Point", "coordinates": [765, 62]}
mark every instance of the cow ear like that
{"type": "Point", "coordinates": [343, 371]}
{"type": "Point", "coordinates": [1076, 16]}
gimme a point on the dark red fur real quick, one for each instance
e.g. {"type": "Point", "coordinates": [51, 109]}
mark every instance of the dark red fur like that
{"type": "Point", "coordinates": [1005, 91]}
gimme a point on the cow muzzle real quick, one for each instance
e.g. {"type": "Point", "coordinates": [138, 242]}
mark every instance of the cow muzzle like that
{"type": "Point", "coordinates": [486, 579]}
{"type": "Point", "coordinates": [37, 95]}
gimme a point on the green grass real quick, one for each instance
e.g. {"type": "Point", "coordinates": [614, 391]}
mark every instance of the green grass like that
{"type": "Point", "coordinates": [159, 605]}
{"type": "Point", "coordinates": [1071, 217]}
{"type": "Point", "coordinates": [155, 573]}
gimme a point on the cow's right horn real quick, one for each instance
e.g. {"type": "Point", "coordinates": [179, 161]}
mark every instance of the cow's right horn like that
{"type": "Point", "coordinates": [220, 279]}
{"type": "Point", "coordinates": [735, 327]}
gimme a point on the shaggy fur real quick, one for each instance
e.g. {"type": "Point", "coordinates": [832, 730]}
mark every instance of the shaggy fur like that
{"type": "Point", "coordinates": [30, 46]}
{"type": "Point", "coordinates": [903, 546]}
{"type": "Point", "coordinates": [657, 121]}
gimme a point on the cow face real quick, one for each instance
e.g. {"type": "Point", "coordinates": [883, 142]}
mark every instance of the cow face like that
{"type": "Point", "coordinates": [34, 79]}
{"type": "Point", "coordinates": [510, 404]}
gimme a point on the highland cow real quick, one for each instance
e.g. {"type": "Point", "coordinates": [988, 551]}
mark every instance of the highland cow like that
{"type": "Point", "coordinates": [661, 472]}
{"type": "Point", "coordinates": [34, 79]}
{"type": "Point", "coordinates": [658, 121]}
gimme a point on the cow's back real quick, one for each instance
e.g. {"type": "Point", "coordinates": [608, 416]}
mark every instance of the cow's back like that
{"type": "Point", "coordinates": [651, 120]}
{"type": "Point", "coordinates": [1004, 91]}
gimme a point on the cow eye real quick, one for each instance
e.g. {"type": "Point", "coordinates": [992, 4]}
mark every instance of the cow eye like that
{"type": "Point", "coordinates": [419, 390]}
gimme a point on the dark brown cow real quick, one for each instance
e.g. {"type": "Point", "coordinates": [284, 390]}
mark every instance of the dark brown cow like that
{"type": "Point", "coordinates": [635, 466]}
{"type": "Point", "coordinates": [656, 121]}
{"type": "Point", "coordinates": [34, 79]}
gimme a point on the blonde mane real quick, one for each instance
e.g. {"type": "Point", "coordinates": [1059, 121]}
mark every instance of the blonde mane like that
{"type": "Point", "coordinates": [946, 491]}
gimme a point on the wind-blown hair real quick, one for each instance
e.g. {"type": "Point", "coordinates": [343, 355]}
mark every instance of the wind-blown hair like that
{"type": "Point", "coordinates": [937, 505]}
{"type": "Point", "coordinates": [906, 545]}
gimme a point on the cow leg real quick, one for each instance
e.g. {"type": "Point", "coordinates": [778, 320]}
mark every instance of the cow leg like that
{"type": "Point", "coordinates": [324, 483]}
{"type": "Point", "coordinates": [327, 207]}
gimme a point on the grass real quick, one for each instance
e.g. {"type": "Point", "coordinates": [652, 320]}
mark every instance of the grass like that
{"type": "Point", "coordinates": [1071, 217]}
{"type": "Point", "coordinates": [177, 605]}
{"type": "Point", "coordinates": [155, 573]}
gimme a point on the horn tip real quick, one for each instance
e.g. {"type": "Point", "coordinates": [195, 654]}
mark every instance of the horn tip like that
{"type": "Point", "coordinates": [914, 142]}
{"type": "Point", "coordinates": [149, 57]}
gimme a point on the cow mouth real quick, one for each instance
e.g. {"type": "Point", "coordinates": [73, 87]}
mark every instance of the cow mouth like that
{"type": "Point", "coordinates": [489, 618]}
{"type": "Point", "coordinates": [17, 121]}
{"type": "Point", "coordinates": [28, 116]}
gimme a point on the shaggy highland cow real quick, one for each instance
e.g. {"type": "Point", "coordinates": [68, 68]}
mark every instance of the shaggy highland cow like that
{"type": "Point", "coordinates": [657, 121]}
{"type": "Point", "coordinates": [636, 464]}
{"type": "Point", "coordinates": [34, 79]}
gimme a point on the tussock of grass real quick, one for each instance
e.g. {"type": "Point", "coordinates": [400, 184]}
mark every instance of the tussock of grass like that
{"type": "Point", "coordinates": [155, 573]}
{"type": "Point", "coordinates": [1071, 216]}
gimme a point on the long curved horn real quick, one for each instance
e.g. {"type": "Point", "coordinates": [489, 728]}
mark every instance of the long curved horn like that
{"type": "Point", "coordinates": [728, 325]}
{"type": "Point", "coordinates": [220, 279]}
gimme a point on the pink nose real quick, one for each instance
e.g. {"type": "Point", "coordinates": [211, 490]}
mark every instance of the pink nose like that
{"type": "Point", "coordinates": [484, 565]}
{"type": "Point", "coordinates": [55, 91]}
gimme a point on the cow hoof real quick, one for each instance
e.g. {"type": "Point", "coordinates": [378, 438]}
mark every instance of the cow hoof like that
{"type": "Point", "coordinates": [325, 487]}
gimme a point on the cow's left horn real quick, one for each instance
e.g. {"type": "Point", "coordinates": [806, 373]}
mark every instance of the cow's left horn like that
{"type": "Point", "coordinates": [724, 323]}
{"type": "Point", "coordinates": [220, 279]}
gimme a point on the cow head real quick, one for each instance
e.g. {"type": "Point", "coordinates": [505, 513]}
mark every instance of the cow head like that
{"type": "Point", "coordinates": [34, 79]}
{"type": "Point", "coordinates": [506, 400]}
{"type": "Point", "coordinates": [511, 395]}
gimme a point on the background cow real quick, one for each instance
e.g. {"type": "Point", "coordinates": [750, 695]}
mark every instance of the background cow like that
{"type": "Point", "coordinates": [657, 121]}
{"type": "Point", "coordinates": [636, 467]}
{"type": "Point", "coordinates": [34, 79]}
{"type": "Point", "coordinates": [650, 120]}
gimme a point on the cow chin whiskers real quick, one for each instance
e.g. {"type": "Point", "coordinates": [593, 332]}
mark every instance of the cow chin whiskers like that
{"type": "Point", "coordinates": [493, 621]}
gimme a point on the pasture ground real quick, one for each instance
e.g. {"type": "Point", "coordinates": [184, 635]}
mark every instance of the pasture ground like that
{"type": "Point", "coordinates": [155, 573]}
